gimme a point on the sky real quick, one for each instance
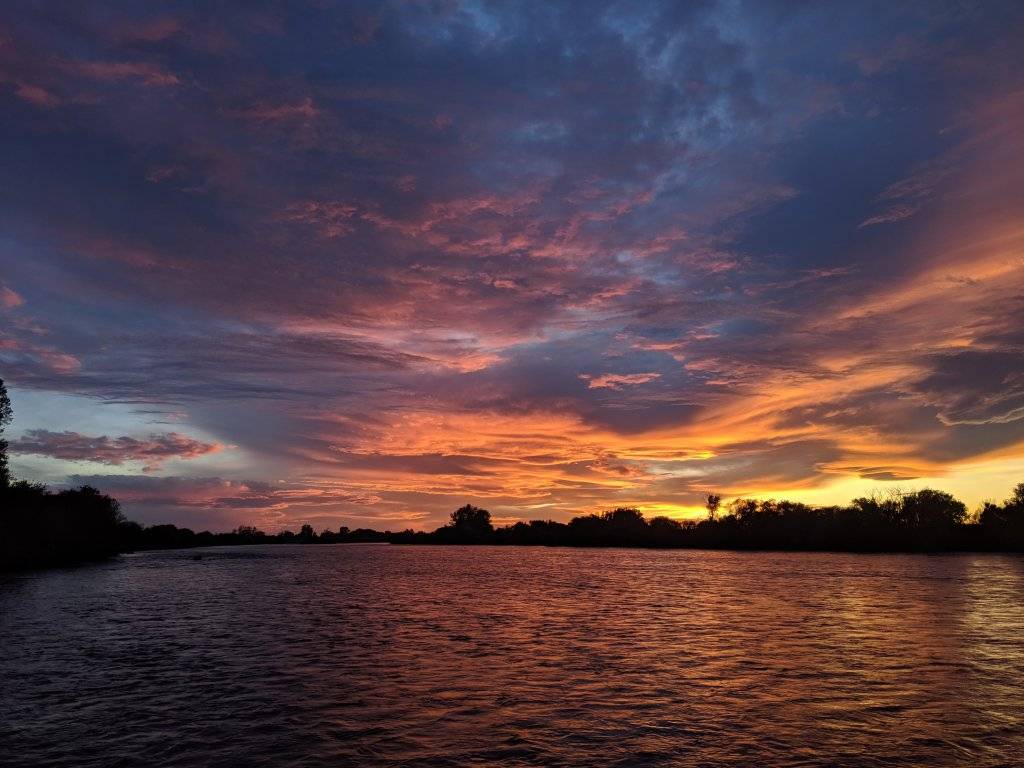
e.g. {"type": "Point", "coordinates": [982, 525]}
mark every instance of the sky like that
{"type": "Point", "coordinates": [357, 264]}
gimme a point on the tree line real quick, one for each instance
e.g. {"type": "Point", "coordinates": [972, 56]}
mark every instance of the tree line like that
{"type": "Point", "coordinates": [40, 527]}
{"type": "Point", "coordinates": [920, 521]}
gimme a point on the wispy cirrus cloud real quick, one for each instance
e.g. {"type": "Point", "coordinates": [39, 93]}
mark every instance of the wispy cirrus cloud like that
{"type": "Point", "coordinates": [143, 72]}
{"type": "Point", "coordinates": [263, 113]}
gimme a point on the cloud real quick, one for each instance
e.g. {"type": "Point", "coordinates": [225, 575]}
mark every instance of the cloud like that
{"type": "Point", "coordinates": [222, 504]}
{"type": "Point", "coordinates": [9, 299]}
{"type": "Point", "coordinates": [145, 72]}
{"type": "Point", "coordinates": [333, 219]}
{"type": "Point", "coordinates": [891, 215]}
{"type": "Point", "coordinates": [151, 451]}
{"type": "Point", "coordinates": [906, 197]}
{"type": "Point", "coordinates": [618, 380]}
{"type": "Point", "coordinates": [153, 30]}
{"type": "Point", "coordinates": [976, 387]}
{"type": "Point", "coordinates": [36, 95]}
{"type": "Point", "coordinates": [262, 113]}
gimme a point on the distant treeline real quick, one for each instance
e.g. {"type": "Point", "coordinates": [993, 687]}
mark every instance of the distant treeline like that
{"type": "Point", "coordinates": [138, 537]}
{"type": "Point", "coordinates": [39, 527]}
{"type": "Point", "coordinates": [42, 528]}
{"type": "Point", "coordinates": [922, 521]}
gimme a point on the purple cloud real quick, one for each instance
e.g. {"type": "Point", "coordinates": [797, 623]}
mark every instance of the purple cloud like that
{"type": "Point", "coordinates": [151, 451]}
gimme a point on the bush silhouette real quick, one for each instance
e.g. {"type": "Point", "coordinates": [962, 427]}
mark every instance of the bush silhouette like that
{"type": "Point", "coordinates": [40, 528]}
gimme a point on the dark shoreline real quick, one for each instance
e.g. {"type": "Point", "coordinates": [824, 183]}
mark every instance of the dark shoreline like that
{"type": "Point", "coordinates": [648, 548]}
{"type": "Point", "coordinates": [66, 564]}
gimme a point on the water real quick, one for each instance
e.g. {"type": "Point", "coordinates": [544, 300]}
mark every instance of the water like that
{"type": "Point", "coordinates": [377, 655]}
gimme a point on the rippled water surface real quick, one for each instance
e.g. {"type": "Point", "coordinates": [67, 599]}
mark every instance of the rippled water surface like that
{"type": "Point", "coordinates": [379, 655]}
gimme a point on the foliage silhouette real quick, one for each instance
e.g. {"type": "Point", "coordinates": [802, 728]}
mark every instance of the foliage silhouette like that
{"type": "Point", "coordinates": [713, 504]}
{"type": "Point", "coordinates": [468, 525]}
{"type": "Point", "coordinates": [6, 414]}
{"type": "Point", "coordinates": [42, 528]}
{"type": "Point", "coordinates": [926, 520]}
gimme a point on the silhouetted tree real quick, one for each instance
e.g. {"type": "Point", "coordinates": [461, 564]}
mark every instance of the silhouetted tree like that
{"type": "Point", "coordinates": [624, 517]}
{"type": "Point", "coordinates": [1017, 499]}
{"type": "Point", "coordinates": [627, 525]}
{"type": "Point", "coordinates": [249, 534]}
{"type": "Point", "coordinates": [467, 525]}
{"type": "Point", "coordinates": [990, 514]}
{"type": "Point", "coordinates": [1008, 518]}
{"type": "Point", "coordinates": [712, 504]}
{"type": "Point", "coordinates": [877, 512]}
{"type": "Point", "coordinates": [6, 414]}
{"type": "Point", "coordinates": [39, 528]}
{"type": "Point", "coordinates": [666, 532]}
{"type": "Point", "coordinates": [470, 518]}
{"type": "Point", "coordinates": [931, 509]}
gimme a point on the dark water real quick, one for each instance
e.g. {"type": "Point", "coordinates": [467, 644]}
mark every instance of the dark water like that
{"type": "Point", "coordinates": [377, 655]}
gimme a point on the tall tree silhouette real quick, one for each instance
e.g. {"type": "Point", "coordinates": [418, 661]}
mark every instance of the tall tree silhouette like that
{"type": "Point", "coordinates": [712, 504]}
{"type": "Point", "coordinates": [471, 519]}
{"type": "Point", "coordinates": [6, 414]}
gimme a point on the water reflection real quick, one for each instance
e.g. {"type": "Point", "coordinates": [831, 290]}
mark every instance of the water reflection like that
{"type": "Point", "coordinates": [356, 655]}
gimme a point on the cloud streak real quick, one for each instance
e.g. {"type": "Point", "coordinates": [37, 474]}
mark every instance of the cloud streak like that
{"type": "Point", "coordinates": [151, 451]}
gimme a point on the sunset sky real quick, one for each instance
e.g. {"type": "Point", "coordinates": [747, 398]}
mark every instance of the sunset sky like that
{"type": "Point", "coordinates": [360, 263]}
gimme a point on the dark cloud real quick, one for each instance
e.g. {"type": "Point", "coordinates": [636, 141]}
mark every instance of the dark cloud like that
{"type": "Point", "coordinates": [976, 387]}
{"type": "Point", "coordinates": [151, 451]}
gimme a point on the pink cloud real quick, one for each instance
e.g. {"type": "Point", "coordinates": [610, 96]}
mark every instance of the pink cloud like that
{"type": "Point", "coordinates": [112, 249]}
{"type": "Point", "coordinates": [618, 380]}
{"type": "Point", "coordinates": [268, 113]}
{"type": "Point", "coordinates": [35, 95]}
{"type": "Point", "coordinates": [148, 30]}
{"type": "Point", "coordinates": [9, 298]}
{"type": "Point", "coordinates": [58, 362]}
{"type": "Point", "coordinates": [909, 195]}
{"type": "Point", "coordinates": [149, 74]}
{"type": "Point", "coordinates": [332, 219]}
{"type": "Point", "coordinates": [72, 446]}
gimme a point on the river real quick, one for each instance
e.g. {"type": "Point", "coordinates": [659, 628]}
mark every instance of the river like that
{"type": "Point", "coordinates": [384, 655]}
